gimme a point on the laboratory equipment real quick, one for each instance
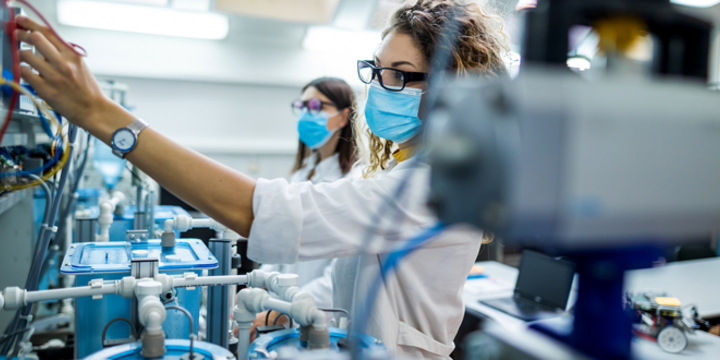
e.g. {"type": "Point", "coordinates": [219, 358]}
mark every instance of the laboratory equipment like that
{"type": "Point", "coordinates": [115, 260]}
{"type": "Point", "coordinates": [148, 287]}
{"type": "Point", "coordinates": [176, 349]}
{"type": "Point", "coordinates": [88, 229]}
{"type": "Point", "coordinates": [587, 169]}
{"type": "Point", "coordinates": [662, 319]}
{"type": "Point", "coordinates": [288, 342]}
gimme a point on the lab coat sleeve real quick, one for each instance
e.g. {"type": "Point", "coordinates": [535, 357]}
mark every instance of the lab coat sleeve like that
{"type": "Point", "coordinates": [321, 287]}
{"type": "Point", "coordinates": [302, 221]}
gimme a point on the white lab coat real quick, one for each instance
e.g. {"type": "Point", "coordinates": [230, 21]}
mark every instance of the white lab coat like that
{"type": "Point", "coordinates": [418, 311]}
{"type": "Point", "coordinates": [315, 276]}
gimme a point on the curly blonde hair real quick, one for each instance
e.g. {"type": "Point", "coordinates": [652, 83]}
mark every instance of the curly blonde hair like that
{"type": "Point", "coordinates": [480, 49]}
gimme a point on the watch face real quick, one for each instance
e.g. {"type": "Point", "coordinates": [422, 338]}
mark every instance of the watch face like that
{"type": "Point", "coordinates": [123, 140]}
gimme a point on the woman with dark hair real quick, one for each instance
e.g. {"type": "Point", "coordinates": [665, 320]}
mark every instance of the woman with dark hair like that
{"type": "Point", "coordinates": [326, 152]}
{"type": "Point", "coordinates": [326, 148]}
{"type": "Point", "coordinates": [416, 312]}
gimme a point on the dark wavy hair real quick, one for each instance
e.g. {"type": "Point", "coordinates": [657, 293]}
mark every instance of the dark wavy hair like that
{"type": "Point", "coordinates": [342, 96]}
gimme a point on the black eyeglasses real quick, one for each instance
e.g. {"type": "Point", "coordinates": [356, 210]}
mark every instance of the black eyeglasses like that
{"type": "Point", "coordinates": [389, 79]}
{"type": "Point", "coordinates": [313, 106]}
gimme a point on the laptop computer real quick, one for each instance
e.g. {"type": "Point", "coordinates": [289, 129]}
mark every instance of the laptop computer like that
{"type": "Point", "coordinates": [542, 288]}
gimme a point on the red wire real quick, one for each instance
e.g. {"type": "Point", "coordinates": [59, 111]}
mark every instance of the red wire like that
{"type": "Point", "coordinates": [10, 30]}
{"type": "Point", "coordinates": [16, 71]}
{"type": "Point", "coordinates": [71, 46]}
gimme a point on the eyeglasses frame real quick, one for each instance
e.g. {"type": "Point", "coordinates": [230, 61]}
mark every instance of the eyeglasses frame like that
{"type": "Point", "coordinates": [408, 76]}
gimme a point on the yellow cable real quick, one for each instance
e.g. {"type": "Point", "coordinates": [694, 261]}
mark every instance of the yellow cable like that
{"type": "Point", "coordinates": [41, 107]}
{"type": "Point", "coordinates": [51, 117]}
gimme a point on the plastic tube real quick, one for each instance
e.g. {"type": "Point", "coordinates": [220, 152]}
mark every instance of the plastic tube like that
{"type": "Point", "coordinates": [48, 197]}
{"type": "Point", "coordinates": [278, 305]}
{"type": "Point", "coordinates": [42, 245]}
{"type": "Point", "coordinates": [209, 281]}
{"type": "Point", "coordinates": [243, 342]}
{"type": "Point", "coordinates": [107, 210]}
{"type": "Point", "coordinates": [74, 292]}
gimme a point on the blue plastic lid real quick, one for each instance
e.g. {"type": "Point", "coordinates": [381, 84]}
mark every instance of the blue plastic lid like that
{"type": "Point", "coordinates": [273, 341]}
{"type": "Point", "coordinates": [115, 256]}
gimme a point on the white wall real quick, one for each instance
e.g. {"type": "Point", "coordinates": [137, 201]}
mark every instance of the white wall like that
{"type": "Point", "coordinates": [247, 127]}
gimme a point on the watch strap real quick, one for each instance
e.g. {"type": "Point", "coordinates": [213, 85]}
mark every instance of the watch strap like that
{"type": "Point", "coordinates": [137, 126]}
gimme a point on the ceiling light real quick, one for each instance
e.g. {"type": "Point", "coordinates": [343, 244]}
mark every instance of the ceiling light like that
{"type": "Point", "coordinates": [146, 2]}
{"type": "Point", "coordinates": [360, 44]}
{"type": "Point", "coordinates": [142, 19]}
{"type": "Point", "coordinates": [298, 11]}
{"type": "Point", "coordinates": [696, 3]}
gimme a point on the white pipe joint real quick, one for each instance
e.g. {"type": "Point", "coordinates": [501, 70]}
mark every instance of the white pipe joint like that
{"type": "Point", "coordinates": [241, 313]}
{"type": "Point", "coordinates": [126, 287]}
{"type": "Point", "coordinates": [107, 210]}
{"type": "Point", "coordinates": [151, 311]}
{"type": "Point", "coordinates": [14, 298]}
{"type": "Point", "coordinates": [305, 312]}
{"type": "Point", "coordinates": [184, 223]}
{"type": "Point", "coordinates": [254, 299]}
{"type": "Point", "coordinates": [256, 278]}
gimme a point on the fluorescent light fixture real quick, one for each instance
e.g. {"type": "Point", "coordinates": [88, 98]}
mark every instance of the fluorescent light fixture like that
{"type": "Point", "coordinates": [146, 2]}
{"type": "Point", "coordinates": [142, 19]}
{"type": "Point", "coordinates": [696, 3]}
{"type": "Point", "coordinates": [578, 63]}
{"type": "Point", "coordinates": [360, 44]}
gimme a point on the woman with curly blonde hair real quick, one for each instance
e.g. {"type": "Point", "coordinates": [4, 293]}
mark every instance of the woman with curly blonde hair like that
{"type": "Point", "coordinates": [418, 311]}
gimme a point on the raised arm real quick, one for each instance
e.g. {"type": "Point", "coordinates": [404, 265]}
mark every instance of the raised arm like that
{"type": "Point", "coordinates": [65, 82]}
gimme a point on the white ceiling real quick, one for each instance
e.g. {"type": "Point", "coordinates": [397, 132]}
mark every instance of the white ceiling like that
{"type": "Point", "coordinates": [257, 51]}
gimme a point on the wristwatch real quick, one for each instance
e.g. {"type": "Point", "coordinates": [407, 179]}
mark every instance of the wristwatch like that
{"type": "Point", "coordinates": [124, 139]}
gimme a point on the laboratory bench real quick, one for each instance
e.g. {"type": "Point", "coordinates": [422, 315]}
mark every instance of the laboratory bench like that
{"type": "Point", "coordinates": [690, 281]}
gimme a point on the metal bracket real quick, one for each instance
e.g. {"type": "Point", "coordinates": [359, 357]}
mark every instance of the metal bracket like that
{"type": "Point", "coordinates": [144, 268]}
{"type": "Point", "coordinates": [137, 235]}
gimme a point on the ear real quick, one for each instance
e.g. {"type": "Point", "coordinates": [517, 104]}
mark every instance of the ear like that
{"type": "Point", "coordinates": [345, 117]}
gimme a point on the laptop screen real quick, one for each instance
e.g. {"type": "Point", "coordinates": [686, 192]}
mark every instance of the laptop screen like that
{"type": "Point", "coordinates": [544, 279]}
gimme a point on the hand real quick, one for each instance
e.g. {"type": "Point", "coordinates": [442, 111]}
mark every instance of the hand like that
{"type": "Point", "coordinates": [260, 321]}
{"type": "Point", "coordinates": [63, 79]}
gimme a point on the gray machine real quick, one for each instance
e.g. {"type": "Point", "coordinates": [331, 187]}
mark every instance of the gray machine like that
{"type": "Point", "coordinates": [606, 171]}
{"type": "Point", "coordinates": [551, 156]}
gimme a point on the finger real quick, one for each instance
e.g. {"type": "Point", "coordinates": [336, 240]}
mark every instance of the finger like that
{"type": "Point", "coordinates": [42, 45]}
{"type": "Point", "coordinates": [26, 23]}
{"type": "Point", "coordinates": [36, 62]}
{"type": "Point", "coordinates": [35, 80]}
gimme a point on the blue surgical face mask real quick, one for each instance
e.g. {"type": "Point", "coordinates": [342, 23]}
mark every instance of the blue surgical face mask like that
{"type": "Point", "coordinates": [313, 129]}
{"type": "Point", "coordinates": [393, 115]}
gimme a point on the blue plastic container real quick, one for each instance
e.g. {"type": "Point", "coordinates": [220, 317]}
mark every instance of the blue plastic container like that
{"type": "Point", "coordinates": [111, 261]}
{"type": "Point", "coordinates": [264, 345]}
{"type": "Point", "coordinates": [175, 350]}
